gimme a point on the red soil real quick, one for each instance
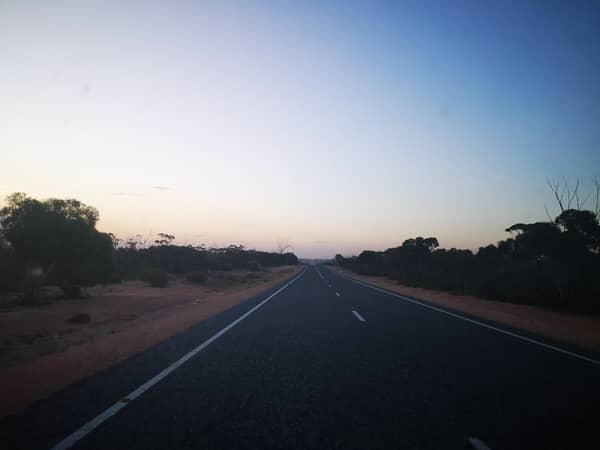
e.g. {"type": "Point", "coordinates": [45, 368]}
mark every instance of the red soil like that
{"type": "Point", "coordinates": [40, 352]}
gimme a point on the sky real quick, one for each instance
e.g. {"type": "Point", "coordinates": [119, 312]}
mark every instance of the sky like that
{"type": "Point", "coordinates": [335, 126]}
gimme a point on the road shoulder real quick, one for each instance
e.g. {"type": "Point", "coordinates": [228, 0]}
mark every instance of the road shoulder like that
{"type": "Point", "coordinates": [574, 329]}
{"type": "Point", "coordinates": [30, 380]}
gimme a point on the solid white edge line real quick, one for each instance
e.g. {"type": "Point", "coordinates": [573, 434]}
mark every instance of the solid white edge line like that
{"type": "Point", "coordinates": [476, 322]}
{"type": "Point", "coordinates": [358, 316]}
{"type": "Point", "coordinates": [478, 443]}
{"type": "Point", "coordinates": [87, 428]}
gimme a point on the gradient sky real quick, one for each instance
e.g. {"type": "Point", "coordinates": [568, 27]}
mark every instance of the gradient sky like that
{"type": "Point", "coordinates": [337, 127]}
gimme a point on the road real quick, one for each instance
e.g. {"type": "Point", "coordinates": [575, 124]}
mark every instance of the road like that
{"type": "Point", "coordinates": [326, 362]}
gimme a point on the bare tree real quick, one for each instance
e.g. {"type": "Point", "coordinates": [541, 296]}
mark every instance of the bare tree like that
{"type": "Point", "coordinates": [562, 192]}
{"type": "Point", "coordinates": [283, 245]}
{"type": "Point", "coordinates": [569, 196]}
{"type": "Point", "coordinates": [597, 196]}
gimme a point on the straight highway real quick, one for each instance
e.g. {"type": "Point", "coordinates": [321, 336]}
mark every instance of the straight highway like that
{"type": "Point", "coordinates": [323, 361]}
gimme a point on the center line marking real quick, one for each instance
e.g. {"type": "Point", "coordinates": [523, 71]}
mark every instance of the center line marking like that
{"type": "Point", "coordinates": [358, 316]}
{"type": "Point", "coordinates": [477, 322]}
{"type": "Point", "coordinates": [478, 443]}
{"type": "Point", "coordinates": [319, 273]}
{"type": "Point", "coordinates": [338, 294]}
{"type": "Point", "coordinates": [90, 426]}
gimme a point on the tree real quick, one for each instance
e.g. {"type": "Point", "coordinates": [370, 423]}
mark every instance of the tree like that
{"type": "Point", "coordinates": [116, 242]}
{"type": "Point", "coordinates": [569, 196]}
{"type": "Point", "coordinates": [537, 240]}
{"type": "Point", "coordinates": [9, 276]}
{"type": "Point", "coordinates": [164, 239]}
{"type": "Point", "coordinates": [58, 240]}
{"type": "Point", "coordinates": [420, 243]}
{"type": "Point", "coordinates": [369, 262]}
{"type": "Point", "coordinates": [582, 225]}
{"type": "Point", "coordinates": [283, 245]}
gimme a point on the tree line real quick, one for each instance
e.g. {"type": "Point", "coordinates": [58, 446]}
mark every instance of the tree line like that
{"type": "Point", "coordinates": [554, 264]}
{"type": "Point", "coordinates": [55, 242]}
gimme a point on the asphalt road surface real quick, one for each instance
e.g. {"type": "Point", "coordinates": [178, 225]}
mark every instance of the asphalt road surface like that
{"type": "Point", "coordinates": [329, 363]}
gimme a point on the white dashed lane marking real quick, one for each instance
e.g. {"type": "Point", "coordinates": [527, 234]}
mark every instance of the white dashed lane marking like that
{"type": "Point", "coordinates": [358, 316]}
{"type": "Point", "coordinates": [478, 444]}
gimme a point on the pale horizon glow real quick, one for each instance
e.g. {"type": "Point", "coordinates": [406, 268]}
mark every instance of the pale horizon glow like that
{"type": "Point", "coordinates": [338, 128]}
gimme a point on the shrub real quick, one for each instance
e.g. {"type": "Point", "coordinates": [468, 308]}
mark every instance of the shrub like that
{"type": "Point", "coordinates": [197, 276]}
{"type": "Point", "coordinates": [10, 273]}
{"type": "Point", "coordinates": [80, 318]}
{"type": "Point", "coordinates": [34, 279]}
{"type": "Point", "coordinates": [253, 276]}
{"type": "Point", "coordinates": [252, 265]}
{"type": "Point", "coordinates": [155, 277]}
{"type": "Point", "coordinates": [59, 239]}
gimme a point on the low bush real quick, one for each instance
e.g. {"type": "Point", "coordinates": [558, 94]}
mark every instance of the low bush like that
{"type": "Point", "coordinates": [80, 318]}
{"type": "Point", "coordinates": [10, 275]}
{"type": "Point", "coordinates": [155, 277]}
{"type": "Point", "coordinates": [34, 279]}
{"type": "Point", "coordinates": [197, 276]}
{"type": "Point", "coordinates": [252, 265]}
{"type": "Point", "coordinates": [253, 276]}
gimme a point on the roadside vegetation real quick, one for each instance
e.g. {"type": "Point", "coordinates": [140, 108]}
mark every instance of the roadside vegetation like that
{"type": "Point", "coordinates": [55, 242]}
{"type": "Point", "coordinates": [553, 264]}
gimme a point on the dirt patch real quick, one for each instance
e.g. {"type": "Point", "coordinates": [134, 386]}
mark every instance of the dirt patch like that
{"type": "Point", "coordinates": [43, 350]}
{"type": "Point", "coordinates": [580, 330]}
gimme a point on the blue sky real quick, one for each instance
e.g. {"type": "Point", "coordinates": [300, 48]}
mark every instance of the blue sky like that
{"type": "Point", "coordinates": [337, 127]}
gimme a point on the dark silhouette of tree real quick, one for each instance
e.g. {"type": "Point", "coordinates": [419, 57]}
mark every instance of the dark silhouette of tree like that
{"type": "Point", "coordinates": [581, 228]}
{"type": "Point", "coordinates": [164, 239]}
{"type": "Point", "coordinates": [569, 196]}
{"type": "Point", "coordinates": [370, 262]}
{"type": "Point", "coordinates": [57, 239]}
{"type": "Point", "coordinates": [55, 242]}
{"type": "Point", "coordinates": [132, 260]}
{"type": "Point", "coordinates": [9, 275]}
{"type": "Point", "coordinates": [283, 245]}
{"type": "Point", "coordinates": [537, 240]}
{"type": "Point", "coordinates": [553, 264]}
